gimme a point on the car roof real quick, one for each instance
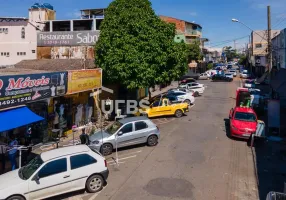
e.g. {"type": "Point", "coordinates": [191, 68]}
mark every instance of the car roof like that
{"type": "Point", "coordinates": [244, 109]}
{"type": "Point", "coordinates": [60, 152]}
{"type": "Point", "coordinates": [132, 119]}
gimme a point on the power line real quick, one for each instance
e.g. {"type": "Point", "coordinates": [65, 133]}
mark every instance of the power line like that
{"type": "Point", "coordinates": [229, 41]}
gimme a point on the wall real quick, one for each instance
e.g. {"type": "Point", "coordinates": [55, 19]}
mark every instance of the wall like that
{"type": "Point", "coordinates": [279, 51]}
{"type": "Point", "coordinates": [257, 39]}
{"type": "Point", "coordinates": [13, 43]}
{"type": "Point", "coordinates": [180, 24]}
{"type": "Point", "coordinates": [72, 52]}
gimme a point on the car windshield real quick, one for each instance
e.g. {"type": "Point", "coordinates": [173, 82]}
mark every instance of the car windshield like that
{"type": "Point", "coordinates": [27, 171]}
{"type": "Point", "coordinates": [242, 116]}
{"type": "Point", "coordinates": [228, 74]}
{"type": "Point", "coordinates": [113, 128]}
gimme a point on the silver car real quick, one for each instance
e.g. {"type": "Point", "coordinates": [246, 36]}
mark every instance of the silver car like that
{"type": "Point", "coordinates": [125, 132]}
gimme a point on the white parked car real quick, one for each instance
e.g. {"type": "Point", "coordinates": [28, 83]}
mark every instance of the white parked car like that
{"type": "Point", "coordinates": [233, 71]}
{"type": "Point", "coordinates": [229, 75]}
{"type": "Point", "coordinates": [196, 87]}
{"type": "Point", "coordinates": [244, 74]}
{"type": "Point", "coordinates": [204, 76]}
{"type": "Point", "coordinates": [56, 172]}
{"type": "Point", "coordinates": [187, 97]}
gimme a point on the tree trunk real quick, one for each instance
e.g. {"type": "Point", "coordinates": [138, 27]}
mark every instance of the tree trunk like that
{"type": "Point", "coordinates": [149, 92]}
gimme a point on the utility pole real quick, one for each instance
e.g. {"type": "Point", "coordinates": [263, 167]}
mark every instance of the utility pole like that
{"type": "Point", "coordinates": [269, 42]}
{"type": "Point", "coordinates": [234, 44]}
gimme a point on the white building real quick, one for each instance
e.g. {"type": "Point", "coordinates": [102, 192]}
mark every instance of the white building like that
{"type": "Point", "coordinates": [18, 36]}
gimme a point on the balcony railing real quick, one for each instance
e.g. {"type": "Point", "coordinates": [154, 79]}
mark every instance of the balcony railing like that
{"type": "Point", "coordinates": [193, 32]}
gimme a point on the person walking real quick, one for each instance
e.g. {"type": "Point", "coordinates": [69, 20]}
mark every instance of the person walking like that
{"type": "Point", "coordinates": [84, 139]}
{"type": "Point", "coordinates": [13, 152]}
{"type": "Point", "coordinates": [3, 151]}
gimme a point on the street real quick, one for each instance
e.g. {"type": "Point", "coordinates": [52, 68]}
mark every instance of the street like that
{"type": "Point", "coordinates": [193, 160]}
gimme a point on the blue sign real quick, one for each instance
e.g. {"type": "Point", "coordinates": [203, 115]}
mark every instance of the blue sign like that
{"type": "Point", "coordinates": [21, 89]}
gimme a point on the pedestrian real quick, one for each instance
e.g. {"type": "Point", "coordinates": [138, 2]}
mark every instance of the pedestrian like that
{"type": "Point", "coordinates": [13, 152]}
{"type": "Point", "coordinates": [3, 151]}
{"type": "Point", "coordinates": [84, 139]}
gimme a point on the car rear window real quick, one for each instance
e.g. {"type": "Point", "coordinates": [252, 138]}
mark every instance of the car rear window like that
{"type": "Point", "coordinates": [140, 126]}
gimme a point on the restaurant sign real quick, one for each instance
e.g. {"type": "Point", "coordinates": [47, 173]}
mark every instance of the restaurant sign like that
{"type": "Point", "coordinates": [21, 89]}
{"type": "Point", "coordinates": [67, 38]}
{"type": "Point", "coordinates": [84, 80]}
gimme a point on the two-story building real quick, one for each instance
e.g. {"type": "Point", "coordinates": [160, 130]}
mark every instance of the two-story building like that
{"type": "Point", "coordinates": [18, 35]}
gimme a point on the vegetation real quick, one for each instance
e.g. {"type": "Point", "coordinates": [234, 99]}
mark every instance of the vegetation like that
{"type": "Point", "coordinates": [230, 53]}
{"type": "Point", "coordinates": [136, 48]}
{"type": "Point", "coordinates": [210, 66]}
{"type": "Point", "coordinates": [242, 59]}
{"type": "Point", "coordinates": [194, 52]}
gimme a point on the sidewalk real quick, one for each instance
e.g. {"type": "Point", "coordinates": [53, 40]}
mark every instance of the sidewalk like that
{"type": "Point", "coordinates": [174, 84]}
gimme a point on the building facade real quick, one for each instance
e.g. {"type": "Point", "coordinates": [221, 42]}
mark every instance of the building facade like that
{"type": "Point", "coordinates": [279, 51]}
{"type": "Point", "coordinates": [18, 35]}
{"type": "Point", "coordinates": [259, 50]}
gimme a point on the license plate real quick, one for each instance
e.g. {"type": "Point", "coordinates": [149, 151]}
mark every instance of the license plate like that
{"type": "Point", "coordinates": [245, 134]}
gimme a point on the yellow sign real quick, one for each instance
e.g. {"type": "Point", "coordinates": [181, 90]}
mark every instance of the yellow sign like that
{"type": "Point", "coordinates": [84, 80]}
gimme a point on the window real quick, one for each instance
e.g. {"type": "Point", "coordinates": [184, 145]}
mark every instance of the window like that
{"type": "Point", "coordinates": [18, 53]}
{"type": "Point", "coordinates": [127, 128]}
{"type": "Point", "coordinates": [33, 51]}
{"type": "Point", "coordinates": [54, 167]}
{"type": "Point", "coordinates": [81, 161]}
{"type": "Point", "coordinates": [8, 54]}
{"type": "Point", "coordinates": [179, 93]}
{"type": "Point", "coordinates": [2, 53]}
{"type": "Point", "coordinates": [23, 33]}
{"type": "Point", "coordinates": [259, 45]}
{"type": "Point", "coordinates": [157, 103]}
{"type": "Point", "coordinates": [21, 53]}
{"type": "Point", "coordinates": [245, 116]}
{"type": "Point", "coordinates": [24, 53]}
{"type": "Point", "coordinates": [140, 126]}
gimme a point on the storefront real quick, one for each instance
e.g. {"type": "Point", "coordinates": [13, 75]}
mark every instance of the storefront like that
{"type": "Point", "coordinates": [24, 99]}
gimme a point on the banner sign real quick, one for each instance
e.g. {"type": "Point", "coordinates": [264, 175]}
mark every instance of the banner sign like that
{"type": "Point", "coordinates": [21, 89]}
{"type": "Point", "coordinates": [67, 38]}
{"type": "Point", "coordinates": [84, 80]}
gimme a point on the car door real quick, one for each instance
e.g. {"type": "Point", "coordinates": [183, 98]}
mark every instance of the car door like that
{"type": "Point", "coordinates": [82, 166]}
{"type": "Point", "coordinates": [52, 179]}
{"type": "Point", "coordinates": [154, 108]}
{"type": "Point", "coordinates": [141, 132]}
{"type": "Point", "coordinates": [125, 135]}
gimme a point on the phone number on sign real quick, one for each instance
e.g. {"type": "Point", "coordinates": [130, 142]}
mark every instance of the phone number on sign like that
{"type": "Point", "coordinates": [15, 101]}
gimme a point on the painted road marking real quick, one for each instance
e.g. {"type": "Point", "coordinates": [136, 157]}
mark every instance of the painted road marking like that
{"type": "Point", "coordinates": [125, 154]}
{"type": "Point", "coordinates": [116, 163]}
{"type": "Point", "coordinates": [96, 194]}
{"type": "Point", "coordinates": [125, 158]}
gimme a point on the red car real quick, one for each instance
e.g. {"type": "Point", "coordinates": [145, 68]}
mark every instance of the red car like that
{"type": "Point", "coordinates": [243, 122]}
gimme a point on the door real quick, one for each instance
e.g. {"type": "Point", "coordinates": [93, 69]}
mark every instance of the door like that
{"type": "Point", "coordinates": [53, 179]}
{"type": "Point", "coordinates": [166, 109]}
{"type": "Point", "coordinates": [141, 132]}
{"type": "Point", "coordinates": [126, 137]}
{"type": "Point", "coordinates": [154, 108]}
{"type": "Point", "coordinates": [81, 167]}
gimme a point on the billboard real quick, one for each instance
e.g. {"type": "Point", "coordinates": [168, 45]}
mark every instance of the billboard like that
{"type": "Point", "coordinates": [84, 80]}
{"type": "Point", "coordinates": [21, 89]}
{"type": "Point", "coordinates": [67, 38]}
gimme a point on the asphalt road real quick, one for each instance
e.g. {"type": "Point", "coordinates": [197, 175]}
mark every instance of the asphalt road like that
{"type": "Point", "coordinates": [194, 160]}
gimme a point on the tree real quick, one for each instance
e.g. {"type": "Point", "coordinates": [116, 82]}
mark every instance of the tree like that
{"type": "Point", "coordinates": [136, 48]}
{"type": "Point", "coordinates": [242, 59]}
{"type": "Point", "coordinates": [194, 52]}
{"type": "Point", "coordinates": [230, 53]}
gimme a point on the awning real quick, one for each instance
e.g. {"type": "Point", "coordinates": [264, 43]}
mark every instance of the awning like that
{"type": "Point", "coordinates": [14, 118]}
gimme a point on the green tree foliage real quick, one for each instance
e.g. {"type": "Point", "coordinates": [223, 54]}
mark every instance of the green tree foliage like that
{"type": "Point", "coordinates": [194, 52]}
{"type": "Point", "coordinates": [136, 48]}
{"type": "Point", "coordinates": [210, 66]}
{"type": "Point", "coordinates": [230, 53]}
{"type": "Point", "coordinates": [242, 59]}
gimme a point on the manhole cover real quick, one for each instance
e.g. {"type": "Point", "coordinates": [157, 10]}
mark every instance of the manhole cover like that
{"type": "Point", "coordinates": [170, 187]}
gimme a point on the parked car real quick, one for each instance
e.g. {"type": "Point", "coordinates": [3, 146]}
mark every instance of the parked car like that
{"type": "Point", "coordinates": [210, 73]}
{"type": "Point", "coordinates": [243, 122]}
{"type": "Point", "coordinates": [221, 77]}
{"type": "Point", "coordinates": [249, 83]}
{"type": "Point", "coordinates": [229, 75]}
{"type": "Point", "coordinates": [56, 172]}
{"type": "Point", "coordinates": [244, 75]}
{"type": "Point", "coordinates": [181, 89]}
{"type": "Point", "coordinates": [229, 66]}
{"type": "Point", "coordinates": [233, 71]}
{"type": "Point", "coordinates": [188, 80]}
{"type": "Point", "coordinates": [184, 96]}
{"type": "Point", "coordinates": [196, 87]}
{"type": "Point", "coordinates": [204, 76]}
{"type": "Point", "coordinates": [126, 132]}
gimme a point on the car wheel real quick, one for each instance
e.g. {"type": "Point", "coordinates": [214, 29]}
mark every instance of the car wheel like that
{"type": "Point", "coordinates": [16, 198]}
{"type": "Point", "coordinates": [106, 149]}
{"type": "Point", "coordinates": [179, 113]}
{"type": "Point", "coordinates": [152, 140]}
{"type": "Point", "coordinates": [197, 94]}
{"type": "Point", "coordinates": [94, 184]}
{"type": "Point", "coordinates": [187, 101]}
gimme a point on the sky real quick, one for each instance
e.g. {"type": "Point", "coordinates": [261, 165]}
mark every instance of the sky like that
{"type": "Point", "coordinates": [213, 15]}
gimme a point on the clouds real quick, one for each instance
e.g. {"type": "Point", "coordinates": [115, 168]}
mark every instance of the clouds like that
{"type": "Point", "coordinates": [262, 4]}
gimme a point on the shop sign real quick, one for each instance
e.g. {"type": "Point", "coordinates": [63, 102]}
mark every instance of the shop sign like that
{"type": "Point", "coordinates": [67, 38]}
{"type": "Point", "coordinates": [21, 89]}
{"type": "Point", "coordinates": [84, 80]}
